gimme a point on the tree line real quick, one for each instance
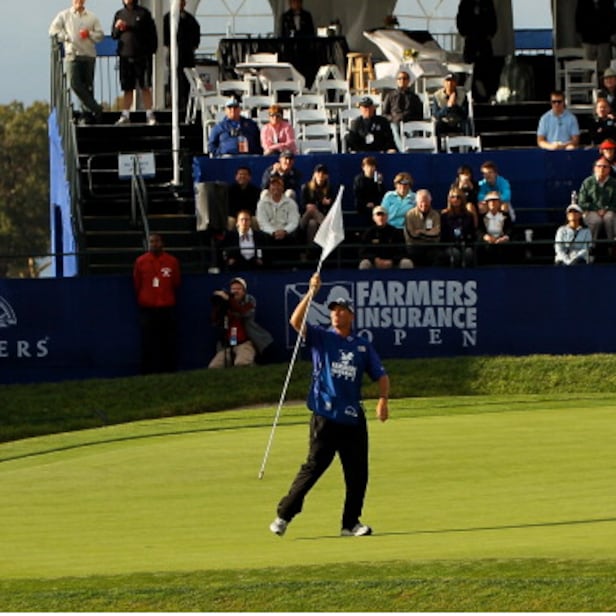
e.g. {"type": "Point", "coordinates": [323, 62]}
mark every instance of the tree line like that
{"type": "Point", "coordinates": [24, 187]}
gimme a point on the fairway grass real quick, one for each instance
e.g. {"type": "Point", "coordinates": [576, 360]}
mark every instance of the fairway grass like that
{"type": "Point", "coordinates": [478, 504]}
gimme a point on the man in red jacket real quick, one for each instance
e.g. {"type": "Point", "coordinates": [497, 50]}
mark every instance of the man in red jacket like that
{"type": "Point", "coordinates": [156, 275]}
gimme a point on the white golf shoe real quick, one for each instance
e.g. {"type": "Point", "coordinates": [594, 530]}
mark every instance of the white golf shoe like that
{"type": "Point", "coordinates": [279, 526]}
{"type": "Point", "coordinates": [359, 530]}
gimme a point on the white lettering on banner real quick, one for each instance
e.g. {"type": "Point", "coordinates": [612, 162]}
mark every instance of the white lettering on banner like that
{"type": "Point", "coordinates": [398, 307]}
{"type": "Point", "coordinates": [24, 349]}
{"type": "Point", "coordinates": [20, 348]}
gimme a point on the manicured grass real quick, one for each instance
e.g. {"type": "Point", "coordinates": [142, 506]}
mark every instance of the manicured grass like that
{"type": "Point", "coordinates": [479, 503]}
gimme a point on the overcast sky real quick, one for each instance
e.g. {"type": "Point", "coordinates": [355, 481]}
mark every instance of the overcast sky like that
{"type": "Point", "coordinates": [24, 64]}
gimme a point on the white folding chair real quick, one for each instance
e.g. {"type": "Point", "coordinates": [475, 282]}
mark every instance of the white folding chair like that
{"type": "Point", "coordinates": [254, 105]}
{"type": "Point", "coordinates": [307, 101]}
{"type": "Point", "coordinates": [345, 117]}
{"type": "Point", "coordinates": [310, 146]}
{"type": "Point", "coordinates": [233, 87]}
{"type": "Point", "coordinates": [562, 55]}
{"type": "Point", "coordinates": [289, 87]}
{"type": "Point", "coordinates": [461, 143]}
{"type": "Point", "coordinates": [421, 144]}
{"type": "Point", "coordinates": [382, 84]}
{"type": "Point", "coordinates": [336, 93]}
{"type": "Point", "coordinates": [416, 128]}
{"type": "Point", "coordinates": [580, 82]}
{"type": "Point", "coordinates": [261, 57]}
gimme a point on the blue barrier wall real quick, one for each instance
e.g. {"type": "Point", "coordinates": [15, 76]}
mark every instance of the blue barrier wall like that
{"type": "Point", "coordinates": [539, 179]}
{"type": "Point", "coordinates": [87, 327]}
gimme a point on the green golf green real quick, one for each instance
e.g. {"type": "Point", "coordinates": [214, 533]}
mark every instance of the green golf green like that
{"type": "Point", "coordinates": [453, 479]}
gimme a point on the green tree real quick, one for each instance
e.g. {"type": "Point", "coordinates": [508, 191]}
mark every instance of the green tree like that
{"type": "Point", "coordinates": [24, 185]}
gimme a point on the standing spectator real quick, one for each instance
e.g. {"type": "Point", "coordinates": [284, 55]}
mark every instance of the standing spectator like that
{"type": "Point", "coordinates": [245, 248]}
{"type": "Point", "coordinates": [189, 39]}
{"type": "Point", "coordinates": [135, 31]}
{"type": "Point", "coordinates": [608, 91]}
{"type": "Point", "coordinates": [597, 199]}
{"type": "Point", "coordinates": [368, 188]}
{"type": "Point", "coordinates": [595, 22]}
{"type": "Point", "coordinates": [402, 105]}
{"type": "Point", "coordinates": [422, 231]}
{"type": "Point", "coordinates": [370, 132]}
{"type": "Point", "coordinates": [278, 216]}
{"type": "Point", "coordinates": [476, 22]}
{"type": "Point", "coordinates": [318, 195]}
{"type": "Point", "coordinates": [399, 201]}
{"type": "Point", "coordinates": [241, 338]}
{"type": "Point", "coordinates": [338, 422]}
{"type": "Point", "coordinates": [234, 134]}
{"type": "Point", "coordinates": [243, 195]}
{"type": "Point", "coordinates": [495, 228]}
{"type": "Point", "coordinates": [284, 168]}
{"type": "Point", "coordinates": [156, 276]}
{"type": "Point", "coordinates": [494, 182]}
{"type": "Point", "coordinates": [466, 184]}
{"type": "Point", "coordinates": [382, 244]}
{"type": "Point", "coordinates": [79, 30]}
{"type": "Point", "coordinates": [277, 136]}
{"type": "Point", "coordinates": [604, 124]}
{"type": "Point", "coordinates": [450, 107]}
{"type": "Point", "coordinates": [573, 240]}
{"type": "Point", "coordinates": [458, 229]}
{"type": "Point", "coordinates": [558, 128]}
{"type": "Point", "coordinates": [297, 21]}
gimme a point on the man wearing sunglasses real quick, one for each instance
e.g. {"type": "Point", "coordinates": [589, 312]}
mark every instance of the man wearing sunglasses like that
{"type": "Point", "coordinates": [558, 128]}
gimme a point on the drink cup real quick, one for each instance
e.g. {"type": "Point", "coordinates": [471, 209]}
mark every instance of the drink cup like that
{"type": "Point", "coordinates": [84, 33]}
{"type": "Point", "coordinates": [528, 235]}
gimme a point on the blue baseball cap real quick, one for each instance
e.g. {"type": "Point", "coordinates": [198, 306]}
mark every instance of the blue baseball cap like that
{"type": "Point", "coordinates": [343, 302]}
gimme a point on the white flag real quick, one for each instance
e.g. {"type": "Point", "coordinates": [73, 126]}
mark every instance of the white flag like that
{"type": "Point", "coordinates": [331, 231]}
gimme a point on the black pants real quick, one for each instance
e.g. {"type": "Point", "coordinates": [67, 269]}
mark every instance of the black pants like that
{"type": "Point", "coordinates": [326, 439]}
{"type": "Point", "coordinates": [158, 340]}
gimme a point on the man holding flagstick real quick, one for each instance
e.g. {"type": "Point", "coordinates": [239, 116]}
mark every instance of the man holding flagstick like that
{"type": "Point", "coordinates": [338, 422]}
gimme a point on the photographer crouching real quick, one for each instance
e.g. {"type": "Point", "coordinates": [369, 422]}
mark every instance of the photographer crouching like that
{"type": "Point", "coordinates": [240, 337]}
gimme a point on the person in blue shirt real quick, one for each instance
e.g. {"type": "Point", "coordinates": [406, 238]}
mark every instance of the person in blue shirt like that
{"type": "Point", "coordinates": [234, 134]}
{"type": "Point", "coordinates": [399, 201]}
{"type": "Point", "coordinates": [494, 182]}
{"type": "Point", "coordinates": [338, 423]}
{"type": "Point", "coordinates": [558, 128]}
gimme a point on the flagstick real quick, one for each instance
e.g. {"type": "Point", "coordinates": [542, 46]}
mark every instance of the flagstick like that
{"type": "Point", "coordinates": [283, 394]}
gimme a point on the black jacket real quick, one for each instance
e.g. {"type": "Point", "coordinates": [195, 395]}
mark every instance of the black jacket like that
{"type": "Point", "coordinates": [140, 38]}
{"type": "Point", "coordinates": [287, 24]}
{"type": "Point", "coordinates": [189, 37]}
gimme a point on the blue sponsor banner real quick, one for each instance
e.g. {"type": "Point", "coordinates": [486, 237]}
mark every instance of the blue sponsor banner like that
{"type": "Point", "coordinates": [74, 328]}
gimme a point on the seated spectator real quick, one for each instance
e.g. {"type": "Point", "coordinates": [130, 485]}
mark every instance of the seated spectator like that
{"type": "Point", "coordinates": [243, 195]}
{"type": "Point", "coordinates": [597, 198]}
{"type": "Point", "coordinates": [399, 201]}
{"type": "Point", "coordinates": [607, 149]}
{"type": "Point", "coordinates": [278, 217]}
{"type": "Point", "coordinates": [368, 188]}
{"type": "Point", "coordinates": [240, 338]}
{"type": "Point", "coordinates": [284, 168]}
{"type": "Point", "coordinates": [465, 183]}
{"type": "Point", "coordinates": [573, 240]}
{"type": "Point", "coordinates": [495, 228]}
{"type": "Point", "coordinates": [458, 229]}
{"type": "Point", "coordinates": [245, 248]}
{"type": "Point", "coordinates": [422, 231]}
{"type": "Point", "coordinates": [450, 107]}
{"type": "Point", "coordinates": [494, 182]}
{"type": "Point", "coordinates": [370, 132]}
{"type": "Point", "coordinates": [382, 244]}
{"type": "Point", "coordinates": [277, 136]}
{"type": "Point", "coordinates": [235, 134]}
{"type": "Point", "coordinates": [608, 89]}
{"type": "Point", "coordinates": [402, 105]}
{"type": "Point", "coordinates": [558, 128]}
{"type": "Point", "coordinates": [603, 125]}
{"type": "Point", "coordinates": [318, 195]}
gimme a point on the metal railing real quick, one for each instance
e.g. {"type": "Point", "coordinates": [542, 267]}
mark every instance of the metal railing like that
{"type": "Point", "coordinates": [139, 201]}
{"type": "Point", "coordinates": [61, 104]}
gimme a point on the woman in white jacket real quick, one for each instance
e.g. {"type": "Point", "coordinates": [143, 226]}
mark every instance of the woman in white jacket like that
{"type": "Point", "coordinates": [573, 240]}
